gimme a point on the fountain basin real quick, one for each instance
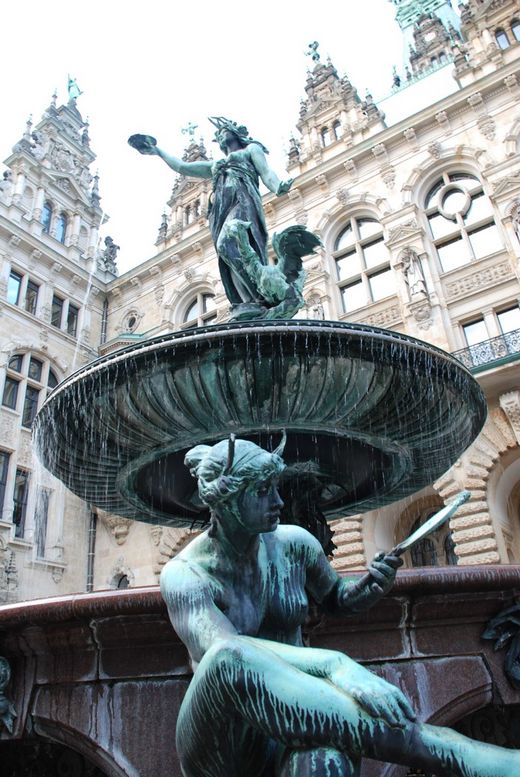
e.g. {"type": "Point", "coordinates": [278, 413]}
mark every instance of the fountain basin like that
{"type": "Point", "coordinates": [379, 414]}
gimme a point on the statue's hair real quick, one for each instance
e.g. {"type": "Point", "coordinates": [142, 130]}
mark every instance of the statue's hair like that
{"type": "Point", "coordinates": [219, 479]}
{"type": "Point", "coordinates": [239, 130]}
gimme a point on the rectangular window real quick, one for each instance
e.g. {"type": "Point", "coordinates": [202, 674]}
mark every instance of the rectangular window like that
{"type": "Point", "coordinates": [477, 337]}
{"type": "Point", "coordinates": [30, 406]}
{"type": "Point", "coordinates": [453, 254]}
{"type": "Point", "coordinates": [21, 491]}
{"type": "Point", "coordinates": [72, 320]}
{"type": "Point", "coordinates": [41, 517]}
{"type": "Point", "coordinates": [348, 266]}
{"type": "Point", "coordinates": [14, 285]}
{"type": "Point", "coordinates": [31, 297]}
{"type": "Point", "coordinates": [10, 395]}
{"type": "Point", "coordinates": [375, 254]}
{"type": "Point", "coordinates": [476, 332]}
{"type": "Point", "coordinates": [354, 296]}
{"type": "Point", "coordinates": [485, 241]}
{"type": "Point", "coordinates": [382, 284]}
{"type": "Point", "coordinates": [509, 320]}
{"type": "Point", "coordinates": [57, 311]}
{"type": "Point", "coordinates": [4, 469]}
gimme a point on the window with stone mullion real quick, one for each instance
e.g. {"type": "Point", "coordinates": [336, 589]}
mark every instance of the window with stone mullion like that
{"type": "Point", "coordinates": [461, 221]}
{"type": "Point", "coordinates": [362, 264]}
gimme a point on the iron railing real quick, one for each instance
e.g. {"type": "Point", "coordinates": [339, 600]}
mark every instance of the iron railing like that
{"type": "Point", "coordinates": [489, 351]}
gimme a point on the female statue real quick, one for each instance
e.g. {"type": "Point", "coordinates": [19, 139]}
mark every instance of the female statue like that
{"type": "Point", "coordinates": [236, 220]}
{"type": "Point", "coordinates": [260, 704]}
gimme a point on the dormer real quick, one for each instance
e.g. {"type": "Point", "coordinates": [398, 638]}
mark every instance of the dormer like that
{"type": "Point", "coordinates": [188, 204]}
{"type": "Point", "coordinates": [432, 44]}
{"type": "Point", "coordinates": [52, 186]}
{"type": "Point", "coordinates": [332, 116]}
{"type": "Point", "coordinates": [491, 30]}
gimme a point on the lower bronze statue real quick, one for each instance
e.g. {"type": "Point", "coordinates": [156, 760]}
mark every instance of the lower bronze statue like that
{"type": "Point", "coordinates": [260, 703]}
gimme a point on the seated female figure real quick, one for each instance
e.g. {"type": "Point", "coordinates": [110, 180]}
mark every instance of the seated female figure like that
{"type": "Point", "coordinates": [260, 703]}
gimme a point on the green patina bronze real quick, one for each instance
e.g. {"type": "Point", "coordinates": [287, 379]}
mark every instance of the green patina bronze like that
{"type": "Point", "coordinates": [255, 288]}
{"type": "Point", "coordinates": [260, 703]}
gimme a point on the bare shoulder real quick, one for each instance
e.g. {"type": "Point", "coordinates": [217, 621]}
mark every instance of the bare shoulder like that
{"type": "Point", "coordinates": [185, 576]}
{"type": "Point", "coordinates": [297, 540]}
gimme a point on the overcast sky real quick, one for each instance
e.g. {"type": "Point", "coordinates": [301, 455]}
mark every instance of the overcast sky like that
{"type": "Point", "coordinates": [154, 67]}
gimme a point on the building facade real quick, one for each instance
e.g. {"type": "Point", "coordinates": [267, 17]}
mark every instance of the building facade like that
{"type": "Point", "coordinates": [416, 200]}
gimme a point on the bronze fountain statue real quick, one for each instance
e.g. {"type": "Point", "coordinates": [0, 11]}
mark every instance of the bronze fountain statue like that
{"type": "Point", "coordinates": [371, 415]}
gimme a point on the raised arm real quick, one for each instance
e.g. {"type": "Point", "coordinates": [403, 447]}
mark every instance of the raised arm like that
{"type": "Point", "coordinates": [267, 175]}
{"type": "Point", "coordinates": [146, 144]}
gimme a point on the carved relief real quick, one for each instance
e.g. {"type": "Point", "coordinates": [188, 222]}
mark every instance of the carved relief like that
{"type": "Point", "coordinates": [117, 526]}
{"type": "Point", "coordinates": [385, 317]}
{"type": "Point", "coordinates": [487, 127]}
{"type": "Point", "coordinates": [510, 404]}
{"type": "Point", "coordinates": [402, 232]}
{"type": "Point", "coordinates": [478, 280]}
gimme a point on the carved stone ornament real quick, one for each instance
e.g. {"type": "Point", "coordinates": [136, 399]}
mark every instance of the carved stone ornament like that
{"type": "Point", "coordinates": [422, 313]}
{"type": "Point", "coordinates": [385, 317]}
{"type": "Point", "coordinates": [508, 184]}
{"type": "Point", "coordinates": [117, 526]}
{"type": "Point", "coordinates": [510, 404]}
{"type": "Point", "coordinates": [402, 233]}
{"type": "Point", "coordinates": [487, 127]}
{"type": "Point", "coordinates": [7, 710]}
{"type": "Point", "coordinates": [504, 629]}
{"type": "Point", "coordinates": [478, 280]}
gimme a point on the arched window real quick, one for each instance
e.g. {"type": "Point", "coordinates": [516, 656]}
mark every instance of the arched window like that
{"type": "Point", "coordinates": [362, 264]}
{"type": "Point", "coordinates": [502, 39]}
{"type": "Point", "coordinates": [200, 311]}
{"type": "Point", "coordinates": [196, 209]}
{"type": "Point", "coordinates": [436, 550]}
{"type": "Point", "coordinates": [336, 130]}
{"type": "Point", "coordinates": [461, 220]}
{"type": "Point", "coordinates": [27, 382]}
{"type": "Point", "coordinates": [187, 215]}
{"type": "Point", "coordinates": [325, 137]}
{"type": "Point", "coordinates": [515, 29]}
{"type": "Point", "coordinates": [47, 216]}
{"type": "Point", "coordinates": [61, 227]}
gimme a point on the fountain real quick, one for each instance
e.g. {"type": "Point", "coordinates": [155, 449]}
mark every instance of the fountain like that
{"type": "Point", "coordinates": [371, 415]}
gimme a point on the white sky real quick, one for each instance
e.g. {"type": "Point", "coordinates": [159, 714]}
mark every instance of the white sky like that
{"type": "Point", "coordinates": [154, 66]}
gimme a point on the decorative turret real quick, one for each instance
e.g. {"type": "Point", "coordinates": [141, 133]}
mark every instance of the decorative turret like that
{"type": "Point", "coordinates": [50, 182]}
{"type": "Point", "coordinates": [332, 111]}
{"type": "Point", "coordinates": [189, 199]}
{"type": "Point", "coordinates": [432, 44]}
{"type": "Point", "coordinates": [491, 31]}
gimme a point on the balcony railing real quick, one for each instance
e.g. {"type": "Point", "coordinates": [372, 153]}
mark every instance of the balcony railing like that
{"type": "Point", "coordinates": [489, 351]}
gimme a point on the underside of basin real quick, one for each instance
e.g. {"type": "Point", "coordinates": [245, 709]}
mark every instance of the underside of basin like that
{"type": "Point", "coordinates": [371, 415]}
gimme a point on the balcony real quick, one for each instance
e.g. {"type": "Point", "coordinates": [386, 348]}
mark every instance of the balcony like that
{"type": "Point", "coordinates": [491, 353]}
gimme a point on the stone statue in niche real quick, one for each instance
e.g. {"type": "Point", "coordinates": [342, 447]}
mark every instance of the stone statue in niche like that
{"type": "Point", "coordinates": [254, 287]}
{"type": "Point", "coordinates": [260, 703]}
{"type": "Point", "coordinates": [413, 274]}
